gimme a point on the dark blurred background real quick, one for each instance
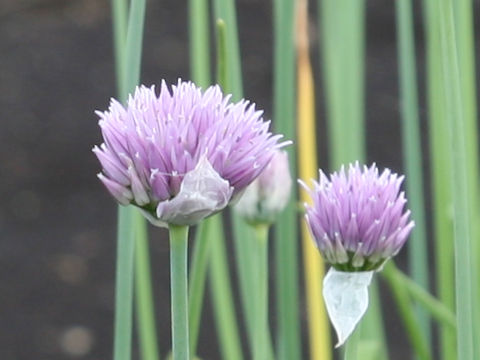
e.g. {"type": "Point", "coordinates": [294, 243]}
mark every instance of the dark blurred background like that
{"type": "Point", "coordinates": [57, 223]}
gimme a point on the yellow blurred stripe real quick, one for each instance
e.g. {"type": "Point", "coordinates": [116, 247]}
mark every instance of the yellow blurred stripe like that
{"type": "Point", "coordinates": [319, 330]}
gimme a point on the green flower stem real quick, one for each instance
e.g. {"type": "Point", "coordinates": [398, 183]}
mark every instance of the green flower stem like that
{"type": "Point", "coordinates": [144, 297]}
{"type": "Point", "coordinates": [242, 233]}
{"type": "Point", "coordinates": [441, 167]}
{"type": "Point", "coordinates": [119, 24]}
{"type": "Point", "coordinates": [124, 284]}
{"type": "Point", "coordinates": [198, 272]}
{"type": "Point", "coordinates": [261, 330]}
{"type": "Point", "coordinates": [243, 244]}
{"type": "Point", "coordinates": [413, 330]}
{"type": "Point", "coordinates": [225, 318]}
{"type": "Point", "coordinates": [412, 151]}
{"type": "Point", "coordinates": [229, 76]}
{"type": "Point", "coordinates": [199, 42]}
{"type": "Point", "coordinates": [128, 50]}
{"type": "Point", "coordinates": [465, 40]}
{"type": "Point", "coordinates": [200, 72]}
{"type": "Point", "coordinates": [133, 48]}
{"type": "Point", "coordinates": [436, 308]}
{"type": "Point", "coordinates": [130, 78]}
{"type": "Point", "coordinates": [178, 283]}
{"type": "Point", "coordinates": [462, 211]}
{"type": "Point", "coordinates": [221, 288]}
{"type": "Point", "coordinates": [288, 342]}
{"type": "Point", "coordinates": [343, 39]}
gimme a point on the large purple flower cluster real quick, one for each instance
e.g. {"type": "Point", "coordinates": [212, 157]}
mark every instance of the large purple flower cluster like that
{"type": "Point", "coordinates": [358, 219]}
{"type": "Point", "coordinates": [183, 154]}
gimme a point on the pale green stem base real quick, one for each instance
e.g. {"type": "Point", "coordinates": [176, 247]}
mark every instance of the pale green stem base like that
{"type": "Point", "coordinates": [178, 279]}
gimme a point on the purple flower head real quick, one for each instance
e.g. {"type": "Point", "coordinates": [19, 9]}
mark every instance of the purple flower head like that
{"type": "Point", "coordinates": [182, 155]}
{"type": "Point", "coordinates": [358, 219]}
{"type": "Point", "coordinates": [269, 193]}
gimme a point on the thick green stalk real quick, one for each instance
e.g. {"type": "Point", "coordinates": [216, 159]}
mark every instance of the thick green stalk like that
{"type": "Point", "coordinates": [128, 45]}
{"type": "Point", "coordinates": [145, 308]}
{"type": "Point", "coordinates": [412, 152]}
{"type": "Point", "coordinates": [286, 250]}
{"type": "Point", "coordinates": [433, 306]}
{"type": "Point", "coordinates": [119, 17]}
{"type": "Point", "coordinates": [441, 179]}
{"type": "Point", "coordinates": [122, 342]}
{"type": "Point", "coordinates": [133, 47]}
{"type": "Point", "coordinates": [124, 284]}
{"type": "Point", "coordinates": [464, 31]}
{"type": "Point", "coordinates": [262, 332]}
{"type": "Point", "coordinates": [243, 244]}
{"type": "Point", "coordinates": [462, 214]}
{"type": "Point", "coordinates": [343, 39]}
{"type": "Point", "coordinates": [144, 295]}
{"type": "Point", "coordinates": [413, 330]}
{"type": "Point", "coordinates": [200, 72]}
{"type": "Point", "coordinates": [178, 284]}
{"type": "Point", "coordinates": [243, 235]}
{"type": "Point", "coordinates": [199, 42]}
{"type": "Point", "coordinates": [225, 318]}
{"type": "Point", "coordinates": [198, 272]}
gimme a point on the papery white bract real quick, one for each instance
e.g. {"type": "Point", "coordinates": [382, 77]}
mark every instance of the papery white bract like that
{"type": "Point", "coordinates": [346, 298]}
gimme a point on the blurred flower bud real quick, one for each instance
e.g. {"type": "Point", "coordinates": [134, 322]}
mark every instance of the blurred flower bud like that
{"type": "Point", "coordinates": [269, 193]}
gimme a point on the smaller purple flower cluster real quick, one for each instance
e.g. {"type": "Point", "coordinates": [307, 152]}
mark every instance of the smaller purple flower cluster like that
{"type": "Point", "coordinates": [357, 218]}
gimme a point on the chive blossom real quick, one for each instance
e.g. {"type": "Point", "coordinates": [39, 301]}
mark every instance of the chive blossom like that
{"type": "Point", "coordinates": [358, 220]}
{"type": "Point", "coordinates": [184, 154]}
